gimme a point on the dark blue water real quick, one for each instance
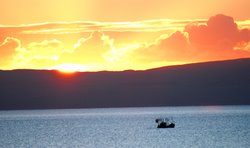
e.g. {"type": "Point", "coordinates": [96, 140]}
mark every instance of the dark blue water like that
{"type": "Point", "coordinates": [214, 126]}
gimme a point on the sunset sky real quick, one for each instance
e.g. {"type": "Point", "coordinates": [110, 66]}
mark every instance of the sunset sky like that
{"type": "Point", "coordinates": [93, 35]}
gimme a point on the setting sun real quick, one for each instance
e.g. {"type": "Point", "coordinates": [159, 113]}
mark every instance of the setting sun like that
{"type": "Point", "coordinates": [69, 68]}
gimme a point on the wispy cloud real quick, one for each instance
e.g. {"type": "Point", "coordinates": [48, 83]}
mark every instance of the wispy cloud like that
{"type": "Point", "coordinates": [89, 26]}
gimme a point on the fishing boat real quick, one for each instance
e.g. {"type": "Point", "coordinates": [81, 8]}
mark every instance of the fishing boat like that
{"type": "Point", "coordinates": [165, 123]}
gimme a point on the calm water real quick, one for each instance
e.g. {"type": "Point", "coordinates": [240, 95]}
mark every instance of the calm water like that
{"type": "Point", "coordinates": [217, 126]}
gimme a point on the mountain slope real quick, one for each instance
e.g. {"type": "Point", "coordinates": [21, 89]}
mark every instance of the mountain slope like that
{"type": "Point", "coordinates": [211, 83]}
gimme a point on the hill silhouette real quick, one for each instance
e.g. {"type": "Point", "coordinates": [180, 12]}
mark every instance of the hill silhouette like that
{"type": "Point", "coordinates": [210, 83]}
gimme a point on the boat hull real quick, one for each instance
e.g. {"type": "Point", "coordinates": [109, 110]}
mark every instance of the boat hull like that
{"type": "Point", "coordinates": [164, 125]}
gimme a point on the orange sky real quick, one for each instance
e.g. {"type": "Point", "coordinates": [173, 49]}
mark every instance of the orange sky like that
{"type": "Point", "coordinates": [92, 35]}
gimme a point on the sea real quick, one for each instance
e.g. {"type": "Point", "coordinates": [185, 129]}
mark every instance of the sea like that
{"type": "Point", "coordinates": [196, 127]}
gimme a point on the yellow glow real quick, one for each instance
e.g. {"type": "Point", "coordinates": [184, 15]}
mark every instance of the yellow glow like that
{"type": "Point", "coordinates": [36, 11]}
{"type": "Point", "coordinates": [69, 68]}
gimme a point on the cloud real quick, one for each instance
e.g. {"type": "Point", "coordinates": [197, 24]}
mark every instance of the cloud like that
{"type": "Point", "coordinates": [90, 49]}
{"type": "Point", "coordinates": [165, 50]}
{"type": "Point", "coordinates": [175, 44]}
{"type": "Point", "coordinates": [3, 35]}
{"type": "Point", "coordinates": [218, 39]}
{"type": "Point", "coordinates": [39, 54]}
{"type": "Point", "coordinates": [46, 49]}
{"type": "Point", "coordinates": [244, 35]}
{"type": "Point", "coordinates": [8, 49]}
{"type": "Point", "coordinates": [220, 33]}
{"type": "Point", "coordinates": [90, 26]}
{"type": "Point", "coordinates": [46, 44]}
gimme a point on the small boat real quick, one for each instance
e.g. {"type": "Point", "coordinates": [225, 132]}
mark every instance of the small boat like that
{"type": "Point", "coordinates": [165, 123]}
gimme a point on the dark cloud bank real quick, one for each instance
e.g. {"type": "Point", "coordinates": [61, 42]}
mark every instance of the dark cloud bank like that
{"type": "Point", "coordinates": [212, 83]}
